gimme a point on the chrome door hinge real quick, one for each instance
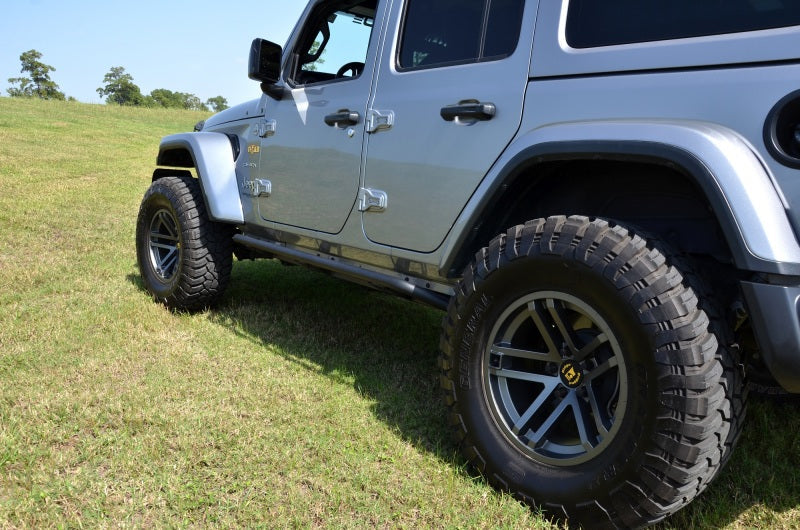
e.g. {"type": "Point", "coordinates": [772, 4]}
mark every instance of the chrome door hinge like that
{"type": "Point", "coordinates": [379, 120]}
{"type": "Point", "coordinates": [372, 200]}
{"type": "Point", "coordinates": [257, 188]}
{"type": "Point", "coordinates": [266, 128]}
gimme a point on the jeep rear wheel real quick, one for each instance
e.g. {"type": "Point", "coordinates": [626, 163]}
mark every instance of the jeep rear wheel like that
{"type": "Point", "coordinates": [185, 259]}
{"type": "Point", "coordinates": [583, 376]}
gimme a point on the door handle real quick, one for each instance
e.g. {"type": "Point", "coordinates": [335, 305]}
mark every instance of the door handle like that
{"type": "Point", "coordinates": [343, 118]}
{"type": "Point", "coordinates": [469, 110]}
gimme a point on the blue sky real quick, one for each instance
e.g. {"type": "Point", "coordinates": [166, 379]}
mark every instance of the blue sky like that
{"type": "Point", "coordinates": [198, 46]}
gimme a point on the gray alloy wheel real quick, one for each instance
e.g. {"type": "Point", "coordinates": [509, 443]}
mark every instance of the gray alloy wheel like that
{"type": "Point", "coordinates": [554, 373]}
{"type": "Point", "coordinates": [165, 247]}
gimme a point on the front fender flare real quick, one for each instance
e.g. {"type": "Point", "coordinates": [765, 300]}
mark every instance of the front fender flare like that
{"type": "Point", "coordinates": [211, 155]}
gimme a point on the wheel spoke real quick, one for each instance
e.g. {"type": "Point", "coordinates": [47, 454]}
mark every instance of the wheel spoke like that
{"type": "Point", "coordinates": [546, 331]}
{"type": "Point", "coordinates": [155, 236]}
{"type": "Point", "coordinates": [598, 418]}
{"type": "Point", "coordinates": [520, 422]}
{"type": "Point", "coordinates": [167, 262]}
{"type": "Point", "coordinates": [603, 368]}
{"type": "Point", "coordinates": [560, 320]}
{"type": "Point", "coordinates": [515, 324]}
{"type": "Point", "coordinates": [536, 436]}
{"type": "Point", "coordinates": [166, 222]}
{"type": "Point", "coordinates": [583, 421]}
{"type": "Point", "coordinates": [587, 350]}
{"type": "Point", "coordinates": [524, 376]}
{"type": "Point", "coordinates": [505, 351]}
{"type": "Point", "coordinates": [164, 246]}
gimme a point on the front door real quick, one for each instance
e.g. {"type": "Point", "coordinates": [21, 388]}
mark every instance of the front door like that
{"type": "Point", "coordinates": [310, 160]}
{"type": "Point", "coordinates": [453, 84]}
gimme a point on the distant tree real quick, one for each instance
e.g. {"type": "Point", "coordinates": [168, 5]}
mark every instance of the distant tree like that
{"type": "Point", "coordinates": [120, 89]}
{"type": "Point", "coordinates": [161, 97]}
{"type": "Point", "coordinates": [38, 84]}
{"type": "Point", "coordinates": [217, 103]}
{"type": "Point", "coordinates": [192, 102]}
{"type": "Point", "coordinates": [24, 90]}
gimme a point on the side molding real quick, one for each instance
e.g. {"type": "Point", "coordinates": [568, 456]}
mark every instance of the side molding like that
{"type": "Point", "coordinates": [736, 182]}
{"type": "Point", "coordinates": [212, 156]}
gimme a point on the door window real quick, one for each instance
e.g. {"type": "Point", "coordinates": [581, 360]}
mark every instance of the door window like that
{"type": "Point", "coordinates": [334, 43]}
{"type": "Point", "coordinates": [446, 32]}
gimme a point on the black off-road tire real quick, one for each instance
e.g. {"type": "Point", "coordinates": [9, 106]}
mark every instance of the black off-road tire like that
{"type": "Point", "coordinates": [582, 375]}
{"type": "Point", "coordinates": [185, 258]}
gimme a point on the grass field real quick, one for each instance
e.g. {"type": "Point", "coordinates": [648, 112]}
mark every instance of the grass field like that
{"type": "Point", "coordinates": [301, 401]}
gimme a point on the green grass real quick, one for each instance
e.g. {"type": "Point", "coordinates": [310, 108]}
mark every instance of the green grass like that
{"type": "Point", "coordinates": [300, 401]}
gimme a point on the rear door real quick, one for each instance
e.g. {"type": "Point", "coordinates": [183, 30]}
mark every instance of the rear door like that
{"type": "Point", "coordinates": [448, 100]}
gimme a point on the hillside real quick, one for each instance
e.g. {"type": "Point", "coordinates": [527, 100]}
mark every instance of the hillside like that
{"type": "Point", "coordinates": [300, 401]}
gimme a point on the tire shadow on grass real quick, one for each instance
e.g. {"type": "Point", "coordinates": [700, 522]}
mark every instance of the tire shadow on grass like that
{"type": "Point", "coordinates": [386, 345]}
{"type": "Point", "coordinates": [389, 347]}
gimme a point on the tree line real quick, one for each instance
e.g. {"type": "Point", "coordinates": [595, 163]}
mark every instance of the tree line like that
{"type": "Point", "coordinates": [118, 88]}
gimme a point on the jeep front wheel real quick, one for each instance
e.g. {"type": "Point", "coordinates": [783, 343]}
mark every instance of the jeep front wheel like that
{"type": "Point", "coordinates": [185, 259]}
{"type": "Point", "coordinates": [583, 377]}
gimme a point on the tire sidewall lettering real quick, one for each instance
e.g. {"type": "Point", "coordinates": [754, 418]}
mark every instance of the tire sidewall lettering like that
{"type": "Point", "coordinates": [466, 345]}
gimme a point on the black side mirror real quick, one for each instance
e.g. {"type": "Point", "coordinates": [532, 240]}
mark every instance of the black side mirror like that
{"type": "Point", "coordinates": [265, 61]}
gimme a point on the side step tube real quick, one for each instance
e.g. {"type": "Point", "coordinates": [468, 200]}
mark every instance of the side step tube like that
{"type": "Point", "coordinates": [353, 273]}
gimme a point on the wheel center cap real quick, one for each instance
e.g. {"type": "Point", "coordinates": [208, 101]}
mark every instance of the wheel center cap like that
{"type": "Point", "coordinates": [571, 374]}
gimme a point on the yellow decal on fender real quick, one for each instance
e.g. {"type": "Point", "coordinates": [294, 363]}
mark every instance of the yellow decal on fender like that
{"type": "Point", "coordinates": [253, 149]}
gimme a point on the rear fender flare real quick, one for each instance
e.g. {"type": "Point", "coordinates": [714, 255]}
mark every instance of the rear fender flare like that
{"type": "Point", "coordinates": [736, 182]}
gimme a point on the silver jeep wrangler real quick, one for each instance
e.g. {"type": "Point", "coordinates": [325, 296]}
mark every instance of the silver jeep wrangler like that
{"type": "Point", "coordinates": [604, 197]}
